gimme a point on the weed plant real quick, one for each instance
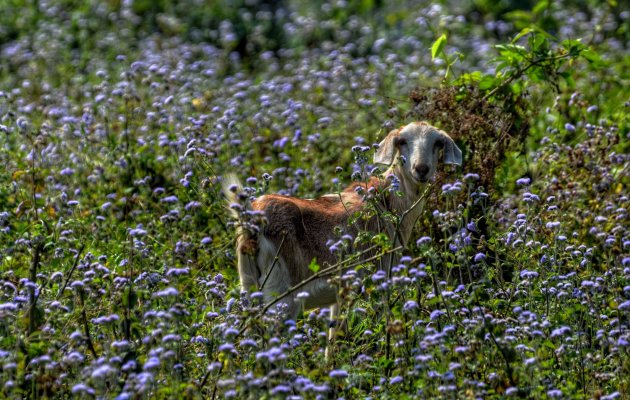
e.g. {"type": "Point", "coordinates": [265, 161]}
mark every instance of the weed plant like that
{"type": "Point", "coordinates": [118, 121]}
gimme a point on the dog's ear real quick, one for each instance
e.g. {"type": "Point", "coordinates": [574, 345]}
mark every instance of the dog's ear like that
{"type": "Point", "coordinates": [452, 153]}
{"type": "Point", "coordinates": [387, 148]}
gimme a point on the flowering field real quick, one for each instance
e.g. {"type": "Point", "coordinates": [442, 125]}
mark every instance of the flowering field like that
{"type": "Point", "coordinates": [119, 119]}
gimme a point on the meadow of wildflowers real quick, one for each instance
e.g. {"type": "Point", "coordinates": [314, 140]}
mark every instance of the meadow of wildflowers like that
{"type": "Point", "coordinates": [119, 119]}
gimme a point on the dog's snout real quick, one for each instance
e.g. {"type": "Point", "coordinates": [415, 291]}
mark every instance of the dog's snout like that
{"type": "Point", "coordinates": [422, 170]}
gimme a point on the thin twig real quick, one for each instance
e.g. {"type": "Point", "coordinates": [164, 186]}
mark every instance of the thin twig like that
{"type": "Point", "coordinates": [74, 266]}
{"type": "Point", "coordinates": [86, 326]}
{"type": "Point", "coordinates": [32, 297]}
{"type": "Point", "coordinates": [405, 213]}
{"type": "Point", "coordinates": [320, 274]}
{"type": "Point", "coordinates": [520, 73]}
{"type": "Point", "coordinates": [273, 264]}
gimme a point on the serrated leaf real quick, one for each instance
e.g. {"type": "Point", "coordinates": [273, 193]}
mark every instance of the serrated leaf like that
{"type": "Point", "coordinates": [438, 46]}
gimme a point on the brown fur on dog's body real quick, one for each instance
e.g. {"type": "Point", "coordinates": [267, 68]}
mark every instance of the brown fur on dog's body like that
{"type": "Point", "coordinates": [297, 231]}
{"type": "Point", "coordinates": [305, 226]}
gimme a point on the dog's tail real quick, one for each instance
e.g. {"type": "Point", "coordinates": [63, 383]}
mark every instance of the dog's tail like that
{"type": "Point", "coordinates": [233, 191]}
{"type": "Point", "coordinates": [241, 211]}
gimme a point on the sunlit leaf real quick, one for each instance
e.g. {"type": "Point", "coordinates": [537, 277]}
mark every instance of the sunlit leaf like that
{"type": "Point", "coordinates": [438, 46]}
{"type": "Point", "coordinates": [522, 33]}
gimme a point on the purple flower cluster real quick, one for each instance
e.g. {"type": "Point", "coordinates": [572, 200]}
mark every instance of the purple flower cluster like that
{"type": "Point", "coordinates": [118, 273]}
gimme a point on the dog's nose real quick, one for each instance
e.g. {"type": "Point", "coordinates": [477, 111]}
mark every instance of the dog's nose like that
{"type": "Point", "coordinates": [422, 170]}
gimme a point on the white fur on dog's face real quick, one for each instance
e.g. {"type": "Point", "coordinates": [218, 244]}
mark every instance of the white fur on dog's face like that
{"type": "Point", "coordinates": [418, 145]}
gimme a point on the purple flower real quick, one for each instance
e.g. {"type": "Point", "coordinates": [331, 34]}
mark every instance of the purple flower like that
{"type": "Point", "coordinates": [435, 314]}
{"type": "Point", "coordinates": [423, 240]}
{"type": "Point", "coordinates": [554, 393]}
{"type": "Point", "coordinates": [81, 388]}
{"type": "Point", "coordinates": [168, 292]}
{"type": "Point", "coordinates": [192, 205]}
{"type": "Point", "coordinates": [103, 372]}
{"type": "Point", "coordinates": [563, 330]}
{"type": "Point", "coordinates": [471, 226]}
{"type": "Point", "coordinates": [338, 374]}
{"type": "Point", "coordinates": [378, 276]}
{"type": "Point", "coordinates": [66, 171]}
{"type": "Point", "coordinates": [511, 391]}
{"type": "Point", "coordinates": [410, 305]}
{"type": "Point", "coordinates": [170, 199]}
{"type": "Point", "coordinates": [281, 389]}
{"type": "Point", "coordinates": [178, 271]}
{"type": "Point", "coordinates": [523, 181]}
{"type": "Point", "coordinates": [8, 307]}
{"type": "Point", "coordinates": [552, 224]}
{"type": "Point", "coordinates": [248, 343]}
{"type": "Point", "coordinates": [137, 232]}
{"type": "Point", "coordinates": [471, 177]}
{"type": "Point", "coordinates": [120, 345]}
{"type": "Point", "coordinates": [226, 348]}
{"type": "Point", "coordinates": [151, 363]}
{"type": "Point", "coordinates": [528, 274]}
{"type": "Point", "coordinates": [323, 121]}
{"type": "Point", "coordinates": [530, 197]}
{"type": "Point", "coordinates": [479, 257]}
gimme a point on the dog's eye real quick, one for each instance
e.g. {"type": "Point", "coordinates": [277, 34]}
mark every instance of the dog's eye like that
{"type": "Point", "coordinates": [400, 141]}
{"type": "Point", "coordinates": [439, 144]}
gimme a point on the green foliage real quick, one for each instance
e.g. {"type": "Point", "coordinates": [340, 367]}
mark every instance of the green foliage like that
{"type": "Point", "coordinates": [541, 61]}
{"type": "Point", "coordinates": [117, 271]}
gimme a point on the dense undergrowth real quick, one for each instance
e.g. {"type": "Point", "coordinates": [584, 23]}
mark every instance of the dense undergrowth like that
{"type": "Point", "coordinates": [119, 119]}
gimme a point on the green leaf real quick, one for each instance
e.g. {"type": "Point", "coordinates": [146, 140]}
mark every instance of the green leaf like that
{"type": "Point", "coordinates": [470, 77]}
{"type": "Point", "coordinates": [501, 66]}
{"type": "Point", "coordinates": [512, 50]}
{"type": "Point", "coordinates": [314, 266]}
{"type": "Point", "coordinates": [438, 46]}
{"type": "Point", "coordinates": [538, 42]}
{"type": "Point", "coordinates": [573, 47]}
{"type": "Point", "coordinates": [522, 33]}
{"type": "Point", "coordinates": [568, 78]}
{"type": "Point", "coordinates": [540, 6]}
{"type": "Point", "coordinates": [487, 82]}
{"type": "Point", "coordinates": [519, 15]}
{"type": "Point", "coordinates": [591, 56]}
{"type": "Point", "coordinates": [517, 87]}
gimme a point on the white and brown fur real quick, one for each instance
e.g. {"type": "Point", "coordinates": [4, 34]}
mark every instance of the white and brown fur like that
{"type": "Point", "coordinates": [298, 230]}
